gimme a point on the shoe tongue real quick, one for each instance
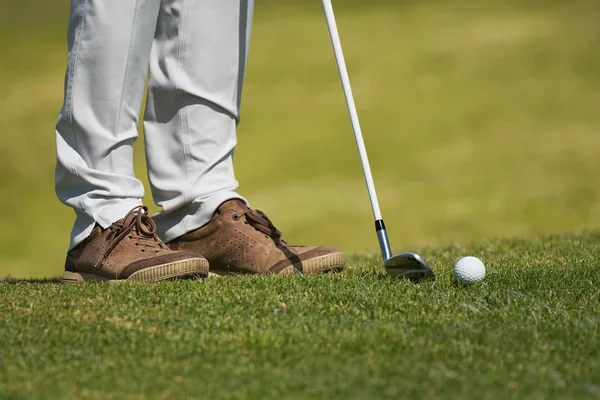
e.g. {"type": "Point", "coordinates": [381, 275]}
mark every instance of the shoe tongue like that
{"type": "Point", "coordinates": [233, 204]}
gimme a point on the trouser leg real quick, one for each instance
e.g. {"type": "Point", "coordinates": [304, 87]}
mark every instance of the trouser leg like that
{"type": "Point", "coordinates": [195, 81]}
{"type": "Point", "coordinates": [109, 44]}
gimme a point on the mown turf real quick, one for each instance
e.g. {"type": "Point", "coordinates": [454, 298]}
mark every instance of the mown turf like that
{"type": "Point", "coordinates": [531, 330]}
{"type": "Point", "coordinates": [481, 121]}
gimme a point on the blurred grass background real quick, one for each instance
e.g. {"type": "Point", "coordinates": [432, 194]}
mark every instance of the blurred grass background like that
{"type": "Point", "coordinates": [480, 118]}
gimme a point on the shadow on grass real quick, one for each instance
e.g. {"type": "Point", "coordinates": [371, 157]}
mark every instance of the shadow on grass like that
{"type": "Point", "coordinates": [360, 275]}
{"type": "Point", "coordinates": [13, 281]}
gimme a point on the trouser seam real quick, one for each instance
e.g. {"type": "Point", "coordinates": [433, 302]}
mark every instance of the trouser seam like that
{"type": "Point", "coordinates": [183, 117]}
{"type": "Point", "coordinates": [242, 59]}
{"type": "Point", "coordinates": [71, 80]}
{"type": "Point", "coordinates": [120, 105]}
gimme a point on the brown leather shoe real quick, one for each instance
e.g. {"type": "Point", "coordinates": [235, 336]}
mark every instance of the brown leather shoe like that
{"type": "Point", "coordinates": [129, 250]}
{"type": "Point", "coordinates": [241, 240]}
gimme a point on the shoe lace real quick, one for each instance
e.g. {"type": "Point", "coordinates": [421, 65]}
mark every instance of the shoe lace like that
{"type": "Point", "coordinates": [137, 219]}
{"type": "Point", "coordinates": [262, 223]}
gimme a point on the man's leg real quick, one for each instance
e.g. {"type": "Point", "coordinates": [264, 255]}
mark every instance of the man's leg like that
{"type": "Point", "coordinates": [113, 238]}
{"type": "Point", "coordinates": [195, 82]}
{"type": "Point", "coordinates": [109, 47]}
{"type": "Point", "coordinates": [196, 75]}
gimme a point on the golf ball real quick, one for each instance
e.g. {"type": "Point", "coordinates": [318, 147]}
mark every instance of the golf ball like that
{"type": "Point", "coordinates": [469, 270]}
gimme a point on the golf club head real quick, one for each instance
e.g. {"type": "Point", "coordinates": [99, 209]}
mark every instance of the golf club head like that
{"type": "Point", "coordinates": [410, 266]}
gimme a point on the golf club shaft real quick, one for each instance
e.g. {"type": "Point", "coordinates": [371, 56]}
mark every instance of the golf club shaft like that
{"type": "Point", "coordinates": [362, 151]}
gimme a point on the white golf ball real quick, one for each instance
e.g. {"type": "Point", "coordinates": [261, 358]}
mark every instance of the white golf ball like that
{"type": "Point", "coordinates": [469, 270]}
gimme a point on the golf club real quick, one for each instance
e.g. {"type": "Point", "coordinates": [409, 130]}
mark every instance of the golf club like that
{"type": "Point", "coordinates": [405, 265]}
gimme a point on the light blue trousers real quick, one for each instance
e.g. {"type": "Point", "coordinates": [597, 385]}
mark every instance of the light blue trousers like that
{"type": "Point", "coordinates": [195, 53]}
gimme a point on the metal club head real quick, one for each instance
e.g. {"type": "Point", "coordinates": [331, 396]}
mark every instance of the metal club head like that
{"type": "Point", "coordinates": [410, 266]}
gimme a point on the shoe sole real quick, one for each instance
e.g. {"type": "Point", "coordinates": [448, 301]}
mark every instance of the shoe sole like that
{"type": "Point", "coordinates": [180, 269]}
{"type": "Point", "coordinates": [328, 263]}
{"type": "Point", "coordinates": [333, 262]}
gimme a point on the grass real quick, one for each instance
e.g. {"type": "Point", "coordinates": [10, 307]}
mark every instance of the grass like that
{"type": "Point", "coordinates": [530, 330]}
{"type": "Point", "coordinates": [481, 122]}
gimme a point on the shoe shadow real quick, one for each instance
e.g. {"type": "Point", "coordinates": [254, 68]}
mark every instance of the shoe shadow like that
{"type": "Point", "coordinates": [290, 255]}
{"type": "Point", "coordinates": [14, 281]}
{"type": "Point", "coordinates": [370, 274]}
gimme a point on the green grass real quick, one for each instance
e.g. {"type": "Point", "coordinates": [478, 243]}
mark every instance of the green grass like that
{"type": "Point", "coordinates": [481, 121]}
{"type": "Point", "coordinates": [530, 330]}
